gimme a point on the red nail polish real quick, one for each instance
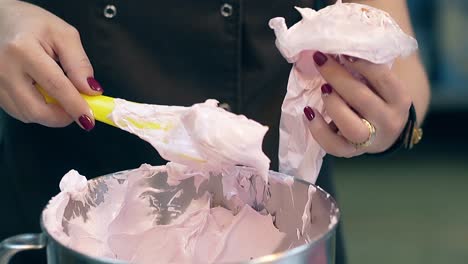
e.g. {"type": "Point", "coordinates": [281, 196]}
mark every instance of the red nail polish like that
{"type": "Point", "coordinates": [320, 58]}
{"type": "Point", "coordinates": [95, 85]}
{"type": "Point", "coordinates": [309, 113]}
{"type": "Point", "coordinates": [86, 122]}
{"type": "Point", "coordinates": [326, 89]}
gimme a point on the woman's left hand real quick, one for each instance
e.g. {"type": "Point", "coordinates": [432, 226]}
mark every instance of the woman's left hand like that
{"type": "Point", "coordinates": [384, 103]}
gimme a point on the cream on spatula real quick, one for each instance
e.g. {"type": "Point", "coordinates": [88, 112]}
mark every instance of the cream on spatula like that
{"type": "Point", "coordinates": [203, 137]}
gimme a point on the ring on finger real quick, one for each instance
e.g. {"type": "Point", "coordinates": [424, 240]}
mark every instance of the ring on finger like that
{"type": "Point", "coordinates": [369, 139]}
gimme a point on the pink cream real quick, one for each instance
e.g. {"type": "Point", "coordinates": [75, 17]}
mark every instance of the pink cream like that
{"type": "Point", "coordinates": [125, 227]}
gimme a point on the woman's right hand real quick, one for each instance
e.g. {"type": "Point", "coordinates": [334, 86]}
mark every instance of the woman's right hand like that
{"type": "Point", "coordinates": [38, 47]}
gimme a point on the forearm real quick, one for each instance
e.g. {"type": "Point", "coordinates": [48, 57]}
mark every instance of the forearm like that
{"type": "Point", "coordinates": [410, 70]}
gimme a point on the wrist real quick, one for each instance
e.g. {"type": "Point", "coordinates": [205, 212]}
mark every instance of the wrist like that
{"type": "Point", "coordinates": [410, 136]}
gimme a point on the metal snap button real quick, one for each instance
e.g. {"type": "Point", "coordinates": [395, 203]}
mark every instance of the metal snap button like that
{"type": "Point", "coordinates": [110, 11]}
{"type": "Point", "coordinates": [226, 10]}
{"type": "Point", "coordinates": [225, 106]}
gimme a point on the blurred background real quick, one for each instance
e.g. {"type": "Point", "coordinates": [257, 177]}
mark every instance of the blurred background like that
{"type": "Point", "coordinates": [412, 207]}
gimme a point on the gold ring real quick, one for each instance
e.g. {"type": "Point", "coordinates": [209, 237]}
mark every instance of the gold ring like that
{"type": "Point", "coordinates": [369, 140]}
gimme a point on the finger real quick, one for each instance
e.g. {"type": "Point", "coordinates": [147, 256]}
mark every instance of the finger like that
{"type": "Point", "coordinates": [51, 115]}
{"type": "Point", "coordinates": [75, 62]}
{"type": "Point", "coordinates": [33, 107]}
{"type": "Point", "coordinates": [345, 119]}
{"type": "Point", "coordinates": [8, 105]}
{"type": "Point", "coordinates": [46, 72]}
{"type": "Point", "coordinates": [382, 79]}
{"type": "Point", "coordinates": [330, 141]}
{"type": "Point", "coordinates": [355, 93]}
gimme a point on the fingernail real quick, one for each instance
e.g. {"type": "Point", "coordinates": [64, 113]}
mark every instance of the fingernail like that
{"type": "Point", "coordinates": [86, 122]}
{"type": "Point", "coordinates": [320, 58]}
{"type": "Point", "coordinates": [349, 58]}
{"type": "Point", "coordinates": [95, 85]}
{"type": "Point", "coordinates": [326, 89]}
{"type": "Point", "coordinates": [309, 113]}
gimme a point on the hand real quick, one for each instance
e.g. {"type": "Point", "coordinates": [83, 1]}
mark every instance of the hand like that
{"type": "Point", "coordinates": [383, 102]}
{"type": "Point", "coordinates": [38, 47]}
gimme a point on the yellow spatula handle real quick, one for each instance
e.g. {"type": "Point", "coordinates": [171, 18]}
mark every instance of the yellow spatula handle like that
{"type": "Point", "coordinates": [102, 106]}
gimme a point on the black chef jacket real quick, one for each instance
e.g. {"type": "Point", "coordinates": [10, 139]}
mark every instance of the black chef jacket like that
{"type": "Point", "coordinates": [158, 52]}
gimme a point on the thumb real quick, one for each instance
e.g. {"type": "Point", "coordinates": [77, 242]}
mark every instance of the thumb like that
{"type": "Point", "coordinates": [76, 64]}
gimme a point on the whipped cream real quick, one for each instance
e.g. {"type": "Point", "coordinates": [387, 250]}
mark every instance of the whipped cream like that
{"type": "Point", "coordinates": [203, 137]}
{"type": "Point", "coordinates": [136, 222]}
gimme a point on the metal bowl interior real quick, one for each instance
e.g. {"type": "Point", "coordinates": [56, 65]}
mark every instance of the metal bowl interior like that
{"type": "Point", "coordinates": [286, 203]}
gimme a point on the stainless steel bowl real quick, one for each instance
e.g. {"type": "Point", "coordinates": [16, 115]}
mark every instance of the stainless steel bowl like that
{"type": "Point", "coordinates": [286, 203]}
